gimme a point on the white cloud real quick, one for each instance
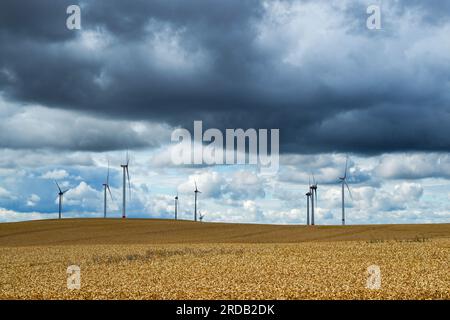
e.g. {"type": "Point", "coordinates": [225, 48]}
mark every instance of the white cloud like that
{"type": "Point", "coordinates": [55, 174]}
{"type": "Point", "coordinates": [7, 215]}
{"type": "Point", "coordinates": [33, 200]}
{"type": "Point", "coordinates": [408, 191]}
{"type": "Point", "coordinates": [84, 196]}
{"type": "Point", "coordinates": [38, 127]}
{"type": "Point", "coordinates": [12, 158]}
{"type": "Point", "coordinates": [324, 168]}
{"type": "Point", "coordinates": [210, 183]}
{"type": "Point", "coordinates": [413, 166]}
{"type": "Point", "coordinates": [5, 193]}
{"type": "Point", "coordinates": [245, 185]}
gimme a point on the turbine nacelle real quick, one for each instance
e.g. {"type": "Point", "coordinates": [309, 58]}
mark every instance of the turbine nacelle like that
{"type": "Point", "coordinates": [60, 191]}
{"type": "Point", "coordinates": [196, 189]}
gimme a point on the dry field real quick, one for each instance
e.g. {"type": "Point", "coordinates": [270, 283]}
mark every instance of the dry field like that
{"type": "Point", "coordinates": [158, 259]}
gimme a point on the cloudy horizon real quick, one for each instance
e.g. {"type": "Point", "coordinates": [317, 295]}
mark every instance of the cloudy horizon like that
{"type": "Point", "coordinates": [73, 100]}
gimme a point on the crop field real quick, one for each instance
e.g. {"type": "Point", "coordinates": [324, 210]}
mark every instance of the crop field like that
{"type": "Point", "coordinates": [161, 259]}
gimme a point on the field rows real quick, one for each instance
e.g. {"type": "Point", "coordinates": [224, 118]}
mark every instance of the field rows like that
{"type": "Point", "coordinates": [309, 270]}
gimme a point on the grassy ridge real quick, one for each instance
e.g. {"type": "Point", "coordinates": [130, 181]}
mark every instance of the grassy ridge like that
{"type": "Point", "coordinates": [145, 231]}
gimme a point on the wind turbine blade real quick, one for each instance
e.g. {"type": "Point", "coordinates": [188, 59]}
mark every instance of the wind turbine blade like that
{"type": "Point", "coordinates": [195, 182]}
{"type": "Point", "coordinates": [107, 176]}
{"type": "Point", "coordinates": [315, 191]}
{"type": "Point", "coordinates": [348, 188]}
{"type": "Point", "coordinates": [129, 182]}
{"type": "Point", "coordinates": [127, 159]}
{"type": "Point", "coordinates": [314, 180]}
{"type": "Point", "coordinates": [66, 191]}
{"type": "Point", "coordinates": [58, 186]}
{"type": "Point", "coordinates": [107, 186]}
{"type": "Point", "coordinates": [346, 164]}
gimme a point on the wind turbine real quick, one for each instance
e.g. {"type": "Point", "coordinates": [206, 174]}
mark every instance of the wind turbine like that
{"type": "Point", "coordinates": [311, 191]}
{"type": "Point", "coordinates": [195, 203]}
{"type": "Point", "coordinates": [60, 196]}
{"type": "Point", "coordinates": [105, 189]}
{"type": "Point", "coordinates": [313, 194]}
{"type": "Point", "coordinates": [308, 195]}
{"type": "Point", "coordinates": [201, 216]}
{"type": "Point", "coordinates": [176, 207]}
{"type": "Point", "coordinates": [126, 175]}
{"type": "Point", "coordinates": [344, 182]}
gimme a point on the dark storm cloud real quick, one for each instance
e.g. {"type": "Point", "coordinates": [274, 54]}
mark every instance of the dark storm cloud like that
{"type": "Point", "coordinates": [34, 20]}
{"type": "Point", "coordinates": [345, 95]}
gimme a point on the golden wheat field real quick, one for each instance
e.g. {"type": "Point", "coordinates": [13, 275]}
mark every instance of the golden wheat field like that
{"type": "Point", "coordinates": [161, 259]}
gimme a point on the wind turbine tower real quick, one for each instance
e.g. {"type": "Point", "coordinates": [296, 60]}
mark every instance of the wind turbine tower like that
{"type": "Point", "coordinates": [106, 189]}
{"type": "Point", "coordinates": [308, 195]}
{"type": "Point", "coordinates": [311, 191]}
{"type": "Point", "coordinates": [126, 176]}
{"type": "Point", "coordinates": [313, 198]}
{"type": "Point", "coordinates": [60, 198]}
{"type": "Point", "coordinates": [344, 182]}
{"type": "Point", "coordinates": [176, 207]}
{"type": "Point", "coordinates": [195, 202]}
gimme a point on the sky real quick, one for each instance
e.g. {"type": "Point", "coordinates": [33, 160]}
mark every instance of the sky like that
{"type": "Point", "coordinates": [72, 101]}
